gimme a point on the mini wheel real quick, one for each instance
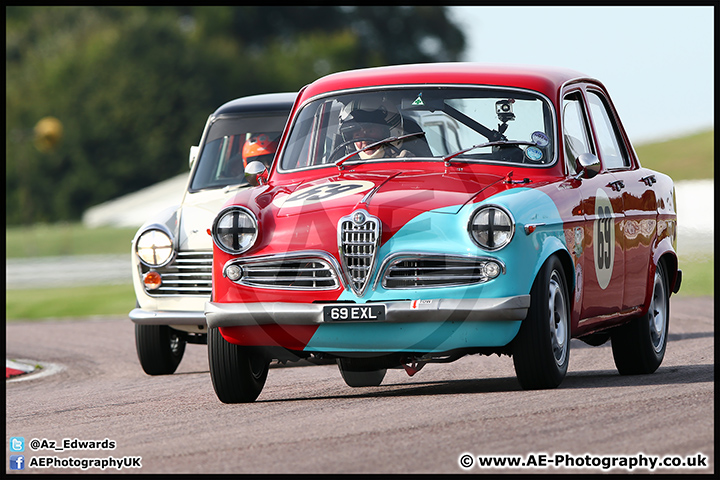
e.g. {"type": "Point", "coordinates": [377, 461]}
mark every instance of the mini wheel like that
{"type": "Point", "coordinates": [159, 348]}
{"type": "Point", "coordinates": [238, 373]}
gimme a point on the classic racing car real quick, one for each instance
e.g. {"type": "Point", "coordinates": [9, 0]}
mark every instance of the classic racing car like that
{"type": "Point", "coordinates": [420, 213]}
{"type": "Point", "coordinates": [172, 253]}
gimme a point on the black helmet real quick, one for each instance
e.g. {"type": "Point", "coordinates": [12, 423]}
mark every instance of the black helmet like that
{"type": "Point", "coordinates": [358, 120]}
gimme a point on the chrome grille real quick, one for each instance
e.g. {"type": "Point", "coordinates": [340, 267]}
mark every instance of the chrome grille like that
{"type": "Point", "coordinates": [289, 273]}
{"type": "Point", "coordinates": [189, 274]}
{"type": "Point", "coordinates": [358, 239]}
{"type": "Point", "coordinates": [433, 271]}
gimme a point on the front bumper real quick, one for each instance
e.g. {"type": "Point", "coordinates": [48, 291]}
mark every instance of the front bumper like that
{"type": "Point", "coordinates": [285, 313]}
{"type": "Point", "coordinates": [426, 326]}
{"type": "Point", "coordinates": [160, 317]}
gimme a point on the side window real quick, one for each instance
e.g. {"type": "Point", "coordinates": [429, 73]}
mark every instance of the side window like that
{"type": "Point", "coordinates": [575, 136]}
{"type": "Point", "coordinates": [612, 151]}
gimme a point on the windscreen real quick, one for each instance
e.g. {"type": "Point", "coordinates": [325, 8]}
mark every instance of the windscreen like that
{"type": "Point", "coordinates": [231, 143]}
{"type": "Point", "coordinates": [423, 123]}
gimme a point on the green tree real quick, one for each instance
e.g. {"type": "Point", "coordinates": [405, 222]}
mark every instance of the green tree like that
{"type": "Point", "coordinates": [132, 86]}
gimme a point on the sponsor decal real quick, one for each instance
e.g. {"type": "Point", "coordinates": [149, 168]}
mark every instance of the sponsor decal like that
{"type": "Point", "coordinates": [534, 154]}
{"type": "Point", "coordinates": [540, 139]}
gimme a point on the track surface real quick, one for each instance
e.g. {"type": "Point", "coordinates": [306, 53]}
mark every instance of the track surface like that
{"type": "Point", "coordinates": [307, 420]}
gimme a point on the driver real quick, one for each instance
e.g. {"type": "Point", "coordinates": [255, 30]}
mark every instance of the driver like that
{"type": "Point", "coordinates": [257, 147]}
{"type": "Point", "coordinates": [260, 147]}
{"type": "Point", "coordinates": [368, 127]}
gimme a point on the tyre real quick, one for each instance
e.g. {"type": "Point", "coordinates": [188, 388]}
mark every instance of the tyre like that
{"type": "Point", "coordinates": [541, 350]}
{"type": "Point", "coordinates": [639, 346]}
{"type": "Point", "coordinates": [159, 348]}
{"type": "Point", "coordinates": [238, 373]}
{"type": "Point", "coordinates": [356, 373]}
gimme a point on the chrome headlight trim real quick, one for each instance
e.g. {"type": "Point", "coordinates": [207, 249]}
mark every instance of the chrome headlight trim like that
{"type": "Point", "coordinates": [235, 230]}
{"type": "Point", "coordinates": [491, 227]}
{"type": "Point", "coordinates": [155, 247]}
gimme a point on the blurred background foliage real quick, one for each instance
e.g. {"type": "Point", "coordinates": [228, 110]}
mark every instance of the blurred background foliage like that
{"type": "Point", "coordinates": [131, 87]}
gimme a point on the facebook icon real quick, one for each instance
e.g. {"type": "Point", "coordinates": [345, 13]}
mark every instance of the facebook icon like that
{"type": "Point", "coordinates": [17, 462]}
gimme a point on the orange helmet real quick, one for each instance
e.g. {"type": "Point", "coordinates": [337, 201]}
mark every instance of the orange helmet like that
{"type": "Point", "coordinates": [259, 147]}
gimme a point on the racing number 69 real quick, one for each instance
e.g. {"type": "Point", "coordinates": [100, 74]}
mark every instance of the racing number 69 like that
{"type": "Point", "coordinates": [604, 226]}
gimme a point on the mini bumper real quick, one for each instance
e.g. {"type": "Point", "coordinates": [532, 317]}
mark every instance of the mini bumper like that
{"type": "Point", "coordinates": [160, 317]}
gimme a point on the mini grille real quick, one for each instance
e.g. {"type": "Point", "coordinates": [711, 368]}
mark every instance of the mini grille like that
{"type": "Point", "coordinates": [422, 272]}
{"type": "Point", "coordinates": [358, 238]}
{"type": "Point", "coordinates": [302, 274]}
{"type": "Point", "coordinates": [189, 274]}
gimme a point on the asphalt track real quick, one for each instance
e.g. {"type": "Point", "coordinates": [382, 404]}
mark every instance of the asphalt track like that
{"type": "Point", "coordinates": [306, 420]}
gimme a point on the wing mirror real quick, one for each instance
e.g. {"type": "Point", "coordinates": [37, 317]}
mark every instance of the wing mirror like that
{"type": "Point", "coordinates": [256, 173]}
{"type": "Point", "coordinates": [193, 154]}
{"type": "Point", "coordinates": [587, 165]}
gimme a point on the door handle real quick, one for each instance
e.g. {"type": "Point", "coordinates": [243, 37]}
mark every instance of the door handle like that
{"type": "Point", "coordinates": [649, 180]}
{"type": "Point", "coordinates": [617, 185]}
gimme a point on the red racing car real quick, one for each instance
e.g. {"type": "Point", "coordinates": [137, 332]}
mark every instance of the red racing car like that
{"type": "Point", "coordinates": [420, 213]}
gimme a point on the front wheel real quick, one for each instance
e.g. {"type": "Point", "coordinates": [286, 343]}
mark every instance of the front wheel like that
{"type": "Point", "coordinates": [639, 346]}
{"type": "Point", "coordinates": [238, 373]}
{"type": "Point", "coordinates": [541, 350]}
{"type": "Point", "coordinates": [159, 348]}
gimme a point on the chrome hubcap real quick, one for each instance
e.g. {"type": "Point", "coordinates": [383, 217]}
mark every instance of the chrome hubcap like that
{"type": "Point", "coordinates": [657, 314]}
{"type": "Point", "coordinates": [558, 319]}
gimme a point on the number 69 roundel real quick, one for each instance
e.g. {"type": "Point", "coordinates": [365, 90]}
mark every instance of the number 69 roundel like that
{"type": "Point", "coordinates": [604, 242]}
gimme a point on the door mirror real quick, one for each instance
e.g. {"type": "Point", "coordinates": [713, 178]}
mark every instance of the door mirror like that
{"type": "Point", "coordinates": [193, 154]}
{"type": "Point", "coordinates": [256, 173]}
{"type": "Point", "coordinates": [587, 165]}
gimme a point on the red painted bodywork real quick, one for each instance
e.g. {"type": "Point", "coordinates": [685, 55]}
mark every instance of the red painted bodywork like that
{"type": "Point", "coordinates": [644, 232]}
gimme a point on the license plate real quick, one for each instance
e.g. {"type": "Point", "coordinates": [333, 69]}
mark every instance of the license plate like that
{"type": "Point", "coordinates": [354, 313]}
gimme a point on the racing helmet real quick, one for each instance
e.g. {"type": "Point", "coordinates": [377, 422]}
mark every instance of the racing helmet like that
{"type": "Point", "coordinates": [259, 147]}
{"type": "Point", "coordinates": [363, 120]}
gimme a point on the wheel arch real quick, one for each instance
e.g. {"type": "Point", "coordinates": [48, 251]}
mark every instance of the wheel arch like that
{"type": "Point", "coordinates": [553, 246]}
{"type": "Point", "coordinates": [665, 253]}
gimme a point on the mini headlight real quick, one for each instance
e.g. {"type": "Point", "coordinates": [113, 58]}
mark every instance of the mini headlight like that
{"type": "Point", "coordinates": [154, 248]}
{"type": "Point", "coordinates": [235, 230]}
{"type": "Point", "coordinates": [491, 227]}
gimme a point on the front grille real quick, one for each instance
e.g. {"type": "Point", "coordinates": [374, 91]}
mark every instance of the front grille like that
{"type": "Point", "coordinates": [358, 239]}
{"type": "Point", "coordinates": [437, 271]}
{"type": "Point", "coordinates": [189, 274]}
{"type": "Point", "coordinates": [295, 273]}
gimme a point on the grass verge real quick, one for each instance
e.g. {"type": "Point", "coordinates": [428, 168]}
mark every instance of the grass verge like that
{"type": "Point", "coordinates": [115, 300]}
{"type": "Point", "coordinates": [66, 239]}
{"type": "Point", "coordinates": [686, 158]}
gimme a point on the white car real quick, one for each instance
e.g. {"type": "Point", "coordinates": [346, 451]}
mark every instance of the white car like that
{"type": "Point", "coordinates": [172, 252]}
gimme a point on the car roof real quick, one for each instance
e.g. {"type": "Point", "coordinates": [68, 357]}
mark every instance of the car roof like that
{"type": "Point", "coordinates": [547, 80]}
{"type": "Point", "coordinates": [267, 102]}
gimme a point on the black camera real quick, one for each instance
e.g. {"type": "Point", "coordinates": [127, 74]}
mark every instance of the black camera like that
{"type": "Point", "coordinates": [504, 110]}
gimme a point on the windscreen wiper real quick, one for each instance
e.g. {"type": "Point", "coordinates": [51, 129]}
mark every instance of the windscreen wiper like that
{"type": "Point", "coordinates": [499, 143]}
{"type": "Point", "coordinates": [376, 144]}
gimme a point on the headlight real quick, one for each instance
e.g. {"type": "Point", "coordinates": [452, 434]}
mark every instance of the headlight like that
{"type": "Point", "coordinates": [235, 230]}
{"type": "Point", "coordinates": [491, 227]}
{"type": "Point", "coordinates": [154, 247]}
